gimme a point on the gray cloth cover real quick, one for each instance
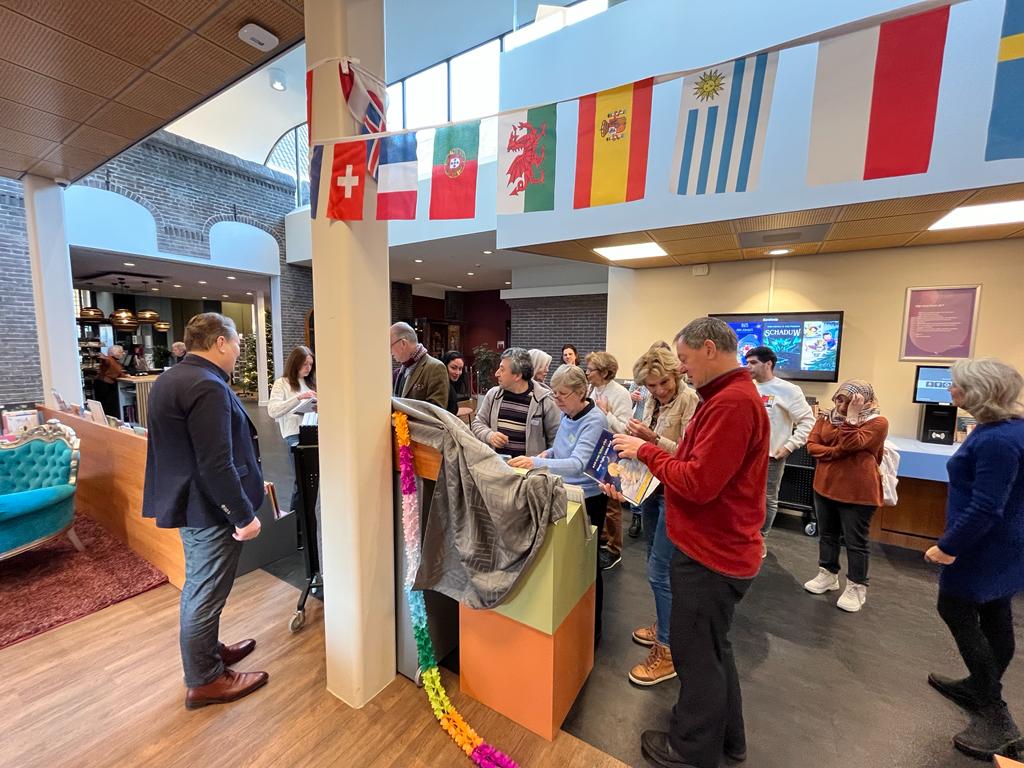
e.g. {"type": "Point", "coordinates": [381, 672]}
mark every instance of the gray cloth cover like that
{"type": "Point", "coordinates": [485, 523]}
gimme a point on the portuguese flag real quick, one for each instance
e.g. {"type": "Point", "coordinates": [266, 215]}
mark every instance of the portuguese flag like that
{"type": "Point", "coordinates": [453, 179]}
{"type": "Point", "coordinates": [526, 160]}
{"type": "Point", "coordinates": [611, 147]}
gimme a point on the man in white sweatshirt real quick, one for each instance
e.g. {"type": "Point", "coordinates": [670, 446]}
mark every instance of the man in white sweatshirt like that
{"type": "Point", "coordinates": [791, 420]}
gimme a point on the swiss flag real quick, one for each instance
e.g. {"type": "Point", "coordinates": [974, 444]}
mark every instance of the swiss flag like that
{"type": "Point", "coordinates": [348, 181]}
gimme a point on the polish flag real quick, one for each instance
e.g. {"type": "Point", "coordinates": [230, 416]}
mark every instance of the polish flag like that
{"type": "Point", "coordinates": [348, 182]}
{"type": "Point", "coordinates": [875, 95]}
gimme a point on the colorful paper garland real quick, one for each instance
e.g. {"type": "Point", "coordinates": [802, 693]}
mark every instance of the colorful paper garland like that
{"type": "Point", "coordinates": [478, 750]}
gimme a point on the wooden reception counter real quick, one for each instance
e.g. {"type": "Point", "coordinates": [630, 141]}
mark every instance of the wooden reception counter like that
{"type": "Point", "coordinates": [111, 474]}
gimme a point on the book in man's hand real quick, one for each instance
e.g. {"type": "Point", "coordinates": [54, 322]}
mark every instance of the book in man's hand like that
{"type": "Point", "coordinates": [631, 477]}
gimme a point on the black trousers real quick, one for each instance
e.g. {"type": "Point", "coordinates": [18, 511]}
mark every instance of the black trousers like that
{"type": "Point", "coordinates": [850, 522]}
{"type": "Point", "coordinates": [106, 395]}
{"type": "Point", "coordinates": [709, 712]}
{"type": "Point", "coordinates": [597, 508]}
{"type": "Point", "coordinates": [984, 636]}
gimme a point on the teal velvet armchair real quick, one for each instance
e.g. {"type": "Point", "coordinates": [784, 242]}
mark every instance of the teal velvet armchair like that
{"type": "Point", "coordinates": [38, 473]}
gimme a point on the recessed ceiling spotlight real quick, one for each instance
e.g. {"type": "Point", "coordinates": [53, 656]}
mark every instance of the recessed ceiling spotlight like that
{"type": "Point", "coordinates": [470, 273]}
{"type": "Point", "coordinates": [202, 297]}
{"type": "Point", "coordinates": [155, 289]}
{"type": "Point", "coordinates": [417, 278]}
{"type": "Point", "coordinates": [232, 277]}
{"type": "Point", "coordinates": [129, 263]}
{"type": "Point", "coordinates": [488, 253]}
{"type": "Point", "coordinates": [248, 293]}
{"type": "Point", "coordinates": [508, 282]}
{"type": "Point", "coordinates": [224, 295]}
{"type": "Point", "coordinates": [177, 286]}
{"type": "Point", "coordinates": [418, 261]}
{"type": "Point", "coordinates": [779, 251]}
{"type": "Point", "coordinates": [458, 286]}
{"type": "Point", "coordinates": [202, 282]}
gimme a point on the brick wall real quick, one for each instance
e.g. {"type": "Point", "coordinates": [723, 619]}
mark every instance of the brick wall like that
{"type": "Point", "coordinates": [548, 322]}
{"type": "Point", "coordinates": [189, 187]}
{"type": "Point", "coordinates": [20, 378]}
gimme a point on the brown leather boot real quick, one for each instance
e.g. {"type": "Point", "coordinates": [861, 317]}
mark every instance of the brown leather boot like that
{"type": "Point", "coordinates": [228, 687]}
{"type": "Point", "coordinates": [232, 654]}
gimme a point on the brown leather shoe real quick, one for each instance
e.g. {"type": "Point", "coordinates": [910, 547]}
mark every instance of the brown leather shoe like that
{"type": "Point", "coordinates": [228, 687]}
{"type": "Point", "coordinates": [232, 654]}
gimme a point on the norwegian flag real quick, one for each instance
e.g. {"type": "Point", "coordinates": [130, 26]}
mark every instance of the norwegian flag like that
{"type": "Point", "coordinates": [367, 101]}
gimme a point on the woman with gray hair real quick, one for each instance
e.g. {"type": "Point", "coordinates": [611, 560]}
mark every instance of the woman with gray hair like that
{"type": "Point", "coordinates": [580, 429]}
{"type": "Point", "coordinates": [982, 551]}
{"type": "Point", "coordinates": [541, 363]}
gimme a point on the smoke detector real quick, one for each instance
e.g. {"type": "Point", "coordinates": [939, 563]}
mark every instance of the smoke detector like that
{"type": "Point", "coordinates": [258, 37]}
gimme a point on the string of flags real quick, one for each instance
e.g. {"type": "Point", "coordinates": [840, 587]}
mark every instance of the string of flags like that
{"type": "Point", "coordinates": [873, 116]}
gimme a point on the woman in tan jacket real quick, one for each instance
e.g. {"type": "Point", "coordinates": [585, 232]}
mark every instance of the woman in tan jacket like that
{"type": "Point", "coordinates": [848, 443]}
{"type": "Point", "coordinates": [666, 413]}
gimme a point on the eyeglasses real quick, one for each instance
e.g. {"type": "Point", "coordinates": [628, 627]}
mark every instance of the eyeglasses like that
{"type": "Point", "coordinates": [396, 341]}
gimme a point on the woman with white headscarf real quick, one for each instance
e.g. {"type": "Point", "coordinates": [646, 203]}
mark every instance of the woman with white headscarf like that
{"type": "Point", "coordinates": [541, 363]}
{"type": "Point", "coordinates": [848, 443]}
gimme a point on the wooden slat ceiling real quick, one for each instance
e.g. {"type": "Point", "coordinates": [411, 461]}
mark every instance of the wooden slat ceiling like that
{"type": "Point", "coordinates": [81, 81]}
{"type": "Point", "coordinates": [900, 222]}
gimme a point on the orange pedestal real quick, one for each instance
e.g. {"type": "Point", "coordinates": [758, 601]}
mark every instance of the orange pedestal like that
{"type": "Point", "coordinates": [527, 675]}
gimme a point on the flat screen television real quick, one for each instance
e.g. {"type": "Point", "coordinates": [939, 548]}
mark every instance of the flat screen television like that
{"type": "Point", "coordinates": [807, 344]}
{"type": "Point", "coordinates": [931, 385]}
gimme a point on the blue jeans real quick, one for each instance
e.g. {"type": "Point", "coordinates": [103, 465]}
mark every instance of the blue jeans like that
{"type": "Point", "coordinates": [659, 561]}
{"type": "Point", "coordinates": [211, 558]}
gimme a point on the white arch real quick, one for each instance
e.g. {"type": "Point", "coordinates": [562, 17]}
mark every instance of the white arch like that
{"type": "Point", "coordinates": [243, 246]}
{"type": "Point", "coordinates": [98, 218]}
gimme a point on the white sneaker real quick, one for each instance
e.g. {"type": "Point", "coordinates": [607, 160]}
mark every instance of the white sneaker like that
{"type": "Point", "coordinates": [825, 581]}
{"type": "Point", "coordinates": [853, 597]}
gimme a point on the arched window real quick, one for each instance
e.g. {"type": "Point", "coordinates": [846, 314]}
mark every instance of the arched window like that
{"type": "Point", "coordinates": [290, 155]}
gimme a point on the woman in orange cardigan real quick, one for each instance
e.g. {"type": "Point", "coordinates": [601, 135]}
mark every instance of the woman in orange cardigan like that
{"type": "Point", "coordinates": [848, 443]}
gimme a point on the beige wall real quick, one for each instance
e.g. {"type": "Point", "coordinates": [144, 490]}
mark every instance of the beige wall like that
{"type": "Point", "coordinates": [869, 286]}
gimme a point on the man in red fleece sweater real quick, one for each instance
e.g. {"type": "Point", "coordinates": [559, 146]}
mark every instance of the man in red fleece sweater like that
{"type": "Point", "coordinates": [715, 507]}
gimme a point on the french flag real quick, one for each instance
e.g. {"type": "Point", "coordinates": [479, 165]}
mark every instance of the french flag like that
{"type": "Point", "coordinates": [875, 97]}
{"type": "Point", "coordinates": [396, 187]}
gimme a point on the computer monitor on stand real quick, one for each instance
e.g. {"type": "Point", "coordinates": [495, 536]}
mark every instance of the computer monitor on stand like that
{"type": "Point", "coordinates": [938, 417]}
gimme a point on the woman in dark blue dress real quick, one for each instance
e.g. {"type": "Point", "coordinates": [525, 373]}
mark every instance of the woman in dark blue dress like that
{"type": "Point", "coordinates": [982, 551]}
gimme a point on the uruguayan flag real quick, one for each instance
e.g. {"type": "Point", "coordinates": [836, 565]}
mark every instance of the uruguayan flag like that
{"type": "Point", "coordinates": [722, 124]}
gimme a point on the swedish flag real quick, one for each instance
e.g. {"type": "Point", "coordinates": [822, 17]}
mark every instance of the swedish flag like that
{"type": "Point", "coordinates": [1006, 124]}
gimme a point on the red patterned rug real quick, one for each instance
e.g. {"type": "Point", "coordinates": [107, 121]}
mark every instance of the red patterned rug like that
{"type": "Point", "coordinates": [54, 583]}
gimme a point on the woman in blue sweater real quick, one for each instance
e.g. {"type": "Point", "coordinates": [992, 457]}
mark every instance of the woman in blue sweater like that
{"type": "Point", "coordinates": [982, 550]}
{"type": "Point", "coordinates": [578, 432]}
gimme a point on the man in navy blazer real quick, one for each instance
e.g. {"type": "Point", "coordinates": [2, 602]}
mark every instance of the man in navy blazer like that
{"type": "Point", "coordinates": [203, 477]}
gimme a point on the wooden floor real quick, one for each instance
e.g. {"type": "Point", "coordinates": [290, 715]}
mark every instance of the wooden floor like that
{"type": "Point", "coordinates": [106, 691]}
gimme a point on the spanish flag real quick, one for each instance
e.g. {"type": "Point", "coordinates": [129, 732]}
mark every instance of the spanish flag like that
{"type": "Point", "coordinates": [611, 148]}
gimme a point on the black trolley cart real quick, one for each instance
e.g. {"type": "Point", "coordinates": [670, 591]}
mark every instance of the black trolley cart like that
{"type": "Point", "coordinates": [307, 471]}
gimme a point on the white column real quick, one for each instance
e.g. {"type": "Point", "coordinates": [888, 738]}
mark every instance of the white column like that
{"type": "Point", "coordinates": [276, 329]}
{"type": "Point", "coordinates": [51, 289]}
{"type": "Point", "coordinates": [260, 329]}
{"type": "Point", "coordinates": [351, 298]}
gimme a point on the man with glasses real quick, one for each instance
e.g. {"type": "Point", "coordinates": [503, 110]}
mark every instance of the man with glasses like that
{"type": "Point", "coordinates": [419, 376]}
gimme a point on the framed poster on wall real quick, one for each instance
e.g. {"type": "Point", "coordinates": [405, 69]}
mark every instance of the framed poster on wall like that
{"type": "Point", "coordinates": [940, 322]}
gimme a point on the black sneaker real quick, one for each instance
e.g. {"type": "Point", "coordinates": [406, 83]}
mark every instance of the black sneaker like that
{"type": "Point", "coordinates": [960, 692]}
{"type": "Point", "coordinates": [607, 559]}
{"type": "Point", "coordinates": [991, 732]}
{"type": "Point", "coordinates": [636, 527]}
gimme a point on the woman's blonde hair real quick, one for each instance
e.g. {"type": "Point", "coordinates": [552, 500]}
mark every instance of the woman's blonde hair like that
{"type": "Point", "coordinates": [991, 388]}
{"type": "Point", "coordinates": [658, 361]}
{"type": "Point", "coordinates": [570, 377]}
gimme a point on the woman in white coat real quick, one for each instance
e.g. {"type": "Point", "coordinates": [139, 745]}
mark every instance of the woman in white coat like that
{"type": "Point", "coordinates": [290, 394]}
